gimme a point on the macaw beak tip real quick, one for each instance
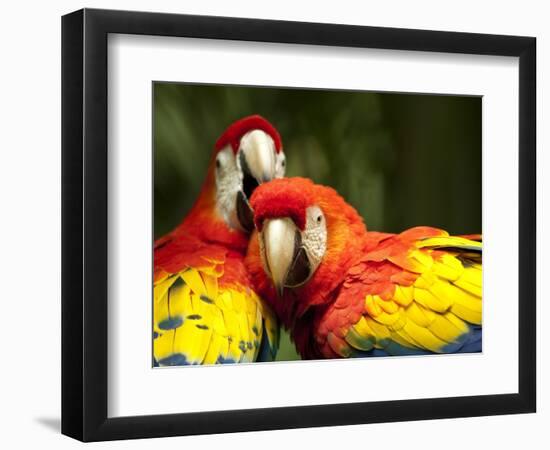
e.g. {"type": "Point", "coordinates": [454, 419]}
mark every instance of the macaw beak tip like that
{"type": "Point", "coordinates": [279, 241]}
{"type": "Point", "coordinates": [280, 290]}
{"type": "Point", "coordinates": [286, 260]}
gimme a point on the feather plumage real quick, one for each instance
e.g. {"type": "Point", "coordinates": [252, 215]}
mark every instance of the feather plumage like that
{"type": "Point", "coordinates": [439, 313]}
{"type": "Point", "coordinates": [205, 308]}
{"type": "Point", "coordinates": [375, 294]}
{"type": "Point", "coordinates": [208, 315]}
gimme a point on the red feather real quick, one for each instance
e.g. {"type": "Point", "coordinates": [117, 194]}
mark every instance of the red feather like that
{"type": "Point", "coordinates": [233, 134]}
{"type": "Point", "coordinates": [356, 263]}
{"type": "Point", "coordinates": [283, 198]}
{"type": "Point", "coordinates": [203, 236]}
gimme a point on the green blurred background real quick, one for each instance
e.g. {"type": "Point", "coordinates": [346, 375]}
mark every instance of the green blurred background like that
{"type": "Point", "coordinates": [401, 159]}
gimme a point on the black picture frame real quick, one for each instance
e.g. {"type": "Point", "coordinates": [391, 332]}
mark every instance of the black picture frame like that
{"type": "Point", "coordinates": [84, 224]}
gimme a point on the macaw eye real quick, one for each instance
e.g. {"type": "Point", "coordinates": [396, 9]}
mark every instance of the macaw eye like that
{"type": "Point", "coordinates": [283, 163]}
{"type": "Point", "coordinates": [319, 219]}
{"type": "Point", "coordinates": [218, 163]}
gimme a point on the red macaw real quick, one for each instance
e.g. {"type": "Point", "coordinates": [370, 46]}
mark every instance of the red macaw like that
{"type": "Point", "coordinates": [205, 310]}
{"type": "Point", "coordinates": [344, 291]}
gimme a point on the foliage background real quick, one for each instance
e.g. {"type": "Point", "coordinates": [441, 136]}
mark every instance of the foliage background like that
{"type": "Point", "coordinates": [401, 159]}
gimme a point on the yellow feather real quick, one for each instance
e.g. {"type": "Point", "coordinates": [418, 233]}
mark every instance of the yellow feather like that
{"type": "Point", "coordinates": [227, 300]}
{"type": "Point", "coordinates": [424, 337]}
{"type": "Point", "coordinates": [231, 322]}
{"type": "Point", "coordinates": [162, 287]}
{"type": "Point", "coordinates": [450, 241]}
{"type": "Point", "coordinates": [234, 351]}
{"type": "Point", "coordinates": [380, 331]}
{"type": "Point", "coordinates": [418, 314]}
{"type": "Point", "coordinates": [238, 301]}
{"type": "Point", "coordinates": [160, 312]}
{"type": "Point", "coordinates": [252, 302]}
{"type": "Point", "coordinates": [215, 322]}
{"type": "Point", "coordinates": [244, 327]}
{"type": "Point", "coordinates": [257, 332]}
{"type": "Point", "coordinates": [467, 300]}
{"type": "Point", "coordinates": [163, 345]}
{"type": "Point", "coordinates": [221, 301]}
{"type": "Point", "coordinates": [191, 342]}
{"type": "Point", "coordinates": [211, 285]}
{"type": "Point", "coordinates": [447, 330]}
{"type": "Point", "coordinates": [258, 320]}
{"type": "Point", "coordinates": [387, 305]}
{"type": "Point", "coordinates": [400, 322]}
{"type": "Point", "coordinates": [425, 280]}
{"type": "Point", "coordinates": [252, 322]}
{"type": "Point", "coordinates": [194, 280]}
{"type": "Point", "coordinates": [362, 328]}
{"type": "Point", "coordinates": [467, 314]}
{"type": "Point", "coordinates": [456, 321]}
{"type": "Point", "coordinates": [371, 306]}
{"type": "Point", "coordinates": [386, 319]}
{"type": "Point", "coordinates": [358, 341]}
{"type": "Point", "coordinates": [448, 267]}
{"type": "Point", "coordinates": [218, 348]}
{"type": "Point", "coordinates": [444, 292]}
{"type": "Point", "coordinates": [430, 301]}
{"type": "Point", "coordinates": [234, 334]}
{"type": "Point", "coordinates": [470, 281]}
{"type": "Point", "coordinates": [403, 295]}
{"type": "Point", "coordinates": [402, 338]}
{"type": "Point", "coordinates": [218, 324]}
{"type": "Point", "coordinates": [422, 259]}
{"type": "Point", "coordinates": [180, 302]}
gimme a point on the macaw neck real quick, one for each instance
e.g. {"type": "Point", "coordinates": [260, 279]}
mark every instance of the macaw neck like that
{"type": "Point", "coordinates": [302, 311]}
{"type": "Point", "coordinates": [346, 240]}
{"type": "Point", "coordinates": [205, 222]}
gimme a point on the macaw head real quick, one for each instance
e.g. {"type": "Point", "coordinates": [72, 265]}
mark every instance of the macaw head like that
{"type": "Point", "coordinates": [248, 153]}
{"type": "Point", "coordinates": [307, 236]}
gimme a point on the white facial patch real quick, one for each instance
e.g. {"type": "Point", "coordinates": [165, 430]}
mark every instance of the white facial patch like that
{"type": "Point", "coordinates": [284, 255]}
{"type": "Point", "coordinates": [314, 236]}
{"type": "Point", "coordinates": [263, 163]}
{"type": "Point", "coordinates": [228, 184]}
{"type": "Point", "coordinates": [280, 164]}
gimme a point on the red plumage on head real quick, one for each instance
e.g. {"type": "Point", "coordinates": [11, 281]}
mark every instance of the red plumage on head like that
{"type": "Point", "coordinates": [284, 197]}
{"type": "Point", "coordinates": [346, 239]}
{"type": "Point", "coordinates": [233, 134]}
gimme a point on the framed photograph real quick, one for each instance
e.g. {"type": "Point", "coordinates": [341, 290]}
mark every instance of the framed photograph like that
{"type": "Point", "coordinates": [273, 224]}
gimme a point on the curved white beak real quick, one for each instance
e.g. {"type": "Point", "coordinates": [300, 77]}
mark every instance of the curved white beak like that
{"type": "Point", "coordinates": [258, 157]}
{"type": "Point", "coordinates": [279, 239]}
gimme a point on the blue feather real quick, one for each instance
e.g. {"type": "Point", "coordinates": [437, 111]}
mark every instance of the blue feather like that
{"type": "Point", "coordinates": [265, 354]}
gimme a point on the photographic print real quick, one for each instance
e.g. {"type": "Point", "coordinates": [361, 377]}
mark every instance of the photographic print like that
{"type": "Point", "coordinates": [299, 224]}
{"type": "Point", "coordinates": [325, 214]}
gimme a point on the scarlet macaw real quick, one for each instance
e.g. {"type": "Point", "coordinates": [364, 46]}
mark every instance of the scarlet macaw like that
{"type": "Point", "coordinates": [205, 310]}
{"type": "Point", "coordinates": [346, 292]}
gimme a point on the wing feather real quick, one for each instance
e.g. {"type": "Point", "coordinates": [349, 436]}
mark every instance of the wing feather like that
{"type": "Point", "coordinates": [435, 305]}
{"type": "Point", "coordinates": [200, 319]}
